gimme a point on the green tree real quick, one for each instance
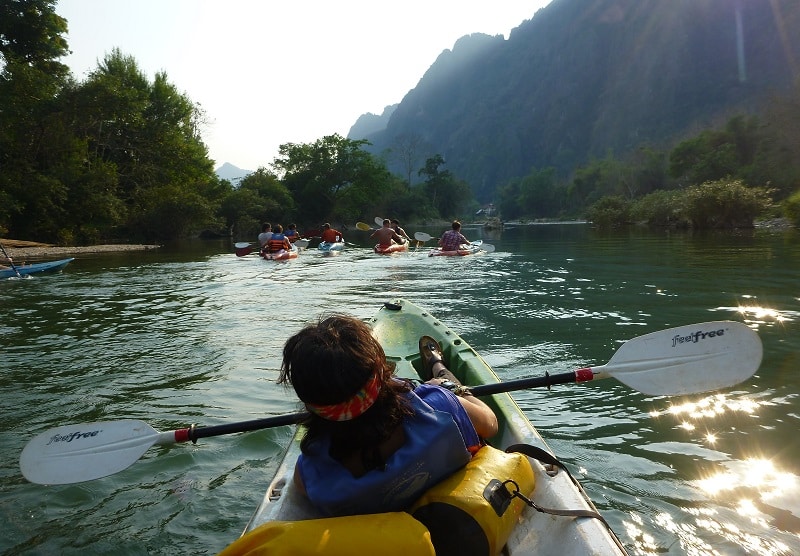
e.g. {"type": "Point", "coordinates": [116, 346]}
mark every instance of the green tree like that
{"type": "Point", "coordinates": [332, 178]}
{"type": "Point", "coordinates": [448, 195]}
{"type": "Point", "coordinates": [715, 154]}
{"type": "Point", "coordinates": [31, 76]}
{"type": "Point", "coordinates": [149, 132]}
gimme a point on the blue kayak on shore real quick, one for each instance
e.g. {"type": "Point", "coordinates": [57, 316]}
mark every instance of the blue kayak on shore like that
{"type": "Point", "coordinates": [35, 268]}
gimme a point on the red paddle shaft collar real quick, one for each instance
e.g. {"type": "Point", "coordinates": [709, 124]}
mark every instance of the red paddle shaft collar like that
{"type": "Point", "coordinates": [584, 375]}
{"type": "Point", "coordinates": [184, 435]}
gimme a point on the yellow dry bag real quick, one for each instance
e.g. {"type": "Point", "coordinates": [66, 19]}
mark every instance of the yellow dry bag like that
{"type": "Point", "coordinates": [395, 533]}
{"type": "Point", "coordinates": [471, 512]}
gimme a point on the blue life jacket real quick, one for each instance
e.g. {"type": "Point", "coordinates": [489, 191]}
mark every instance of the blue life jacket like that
{"type": "Point", "coordinates": [434, 449]}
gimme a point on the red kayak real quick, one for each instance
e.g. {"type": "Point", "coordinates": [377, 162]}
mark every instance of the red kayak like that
{"type": "Point", "coordinates": [282, 255]}
{"type": "Point", "coordinates": [389, 249]}
{"type": "Point", "coordinates": [463, 249]}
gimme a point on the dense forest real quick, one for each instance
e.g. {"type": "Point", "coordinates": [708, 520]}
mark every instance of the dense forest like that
{"type": "Point", "coordinates": [120, 156]}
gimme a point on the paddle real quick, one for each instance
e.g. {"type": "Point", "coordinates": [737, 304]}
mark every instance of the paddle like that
{"type": "Point", "coordinates": [684, 360]}
{"type": "Point", "coordinates": [243, 248]}
{"type": "Point", "coordinates": [378, 221]}
{"type": "Point", "coordinates": [11, 262]}
{"type": "Point", "coordinates": [363, 226]}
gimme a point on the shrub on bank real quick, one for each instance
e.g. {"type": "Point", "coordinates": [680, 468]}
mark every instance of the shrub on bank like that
{"type": "Point", "coordinates": [791, 208]}
{"type": "Point", "coordinates": [662, 208]}
{"type": "Point", "coordinates": [725, 204]}
{"type": "Point", "coordinates": [717, 204]}
{"type": "Point", "coordinates": [610, 212]}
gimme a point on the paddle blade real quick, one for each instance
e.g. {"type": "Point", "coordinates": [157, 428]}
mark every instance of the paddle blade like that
{"type": "Point", "coordinates": [422, 236]}
{"type": "Point", "coordinates": [378, 221]}
{"type": "Point", "coordinates": [76, 453]}
{"type": "Point", "coordinates": [488, 247]}
{"type": "Point", "coordinates": [302, 243]}
{"type": "Point", "coordinates": [363, 226]}
{"type": "Point", "coordinates": [687, 359]}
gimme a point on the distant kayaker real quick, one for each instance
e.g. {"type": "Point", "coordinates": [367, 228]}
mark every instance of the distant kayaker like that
{"type": "Point", "coordinates": [278, 241]}
{"type": "Point", "coordinates": [374, 443]}
{"type": "Point", "coordinates": [400, 231]}
{"type": "Point", "coordinates": [329, 235]}
{"type": "Point", "coordinates": [386, 235]}
{"type": "Point", "coordinates": [291, 233]}
{"type": "Point", "coordinates": [452, 239]}
{"type": "Point", "coordinates": [266, 233]}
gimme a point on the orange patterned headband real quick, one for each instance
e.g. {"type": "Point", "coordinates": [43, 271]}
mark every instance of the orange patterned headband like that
{"type": "Point", "coordinates": [353, 407]}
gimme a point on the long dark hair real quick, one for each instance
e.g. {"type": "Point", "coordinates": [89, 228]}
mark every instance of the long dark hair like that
{"type": "Point", "coordinates": [327, 363]}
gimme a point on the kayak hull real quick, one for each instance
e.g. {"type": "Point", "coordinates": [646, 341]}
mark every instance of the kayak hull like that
{"type": "Point", "coordinates": [468, 250]}
{"type": "Point", "coordinates": [393, 248]}
{"type": "Point", "coordinates": [463, 249]}
{"type": "Point", "coordinates": [282, 255]}
{"type": "Point", "coordinates": [36, 268]}
{"type": "Point", "coordinates": [328, 248]}
{"type": "Point", "coordinates": [398, 326]}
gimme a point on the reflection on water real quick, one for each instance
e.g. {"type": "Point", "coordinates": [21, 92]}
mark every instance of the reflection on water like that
{"type": "Point", "coordinates": [195, 335]}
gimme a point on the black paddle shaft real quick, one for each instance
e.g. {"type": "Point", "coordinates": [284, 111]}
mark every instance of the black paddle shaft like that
{"type": "Point", "coordinates": [194, 433]}
{"type": "Point", "coordinates": [11, 262]}
{"type": "Point", "coordinates": [524, 383]}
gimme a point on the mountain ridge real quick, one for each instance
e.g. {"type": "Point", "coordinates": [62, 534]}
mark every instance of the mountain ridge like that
{"type": "Point", "coordinates": [581, 79]}
{"type": "Point", "coordinates": [231, 173]}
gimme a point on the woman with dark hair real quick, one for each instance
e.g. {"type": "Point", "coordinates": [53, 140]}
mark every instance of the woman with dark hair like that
{"type": "Point", "coordinates": [375, 443]}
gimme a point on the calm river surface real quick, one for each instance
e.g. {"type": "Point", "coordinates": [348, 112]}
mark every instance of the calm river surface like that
{"type": "Point", "coordinates": [192, 334]}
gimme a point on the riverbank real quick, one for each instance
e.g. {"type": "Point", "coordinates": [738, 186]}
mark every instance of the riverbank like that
{"type": "Point", "coordinates": [19, 249]}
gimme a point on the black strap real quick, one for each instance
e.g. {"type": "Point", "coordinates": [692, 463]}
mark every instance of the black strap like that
{"type": "Point", "coordinates": [548, 458]}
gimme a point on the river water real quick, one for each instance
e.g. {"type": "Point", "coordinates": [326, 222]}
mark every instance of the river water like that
{"type": "Point", "coordinates": [192, 334]}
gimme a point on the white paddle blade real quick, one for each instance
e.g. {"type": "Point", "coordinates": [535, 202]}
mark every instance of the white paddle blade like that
{"type": "Point", "coordinates": [378, 221]}
{"type": "Point", "coordinates": [241, 245]}
{"type": "Point", "coordinates": [687, 359]}
{"type": "Point", "coordinates": [488, 247]}
{"type": "Point", "coordinates": [302, 243]}
{"type": "Point", "coordinates": [422, 236]}
{"type": "Point", "coordinates": [76, 453]}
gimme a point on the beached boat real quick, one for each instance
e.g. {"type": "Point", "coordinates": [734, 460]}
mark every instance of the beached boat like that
{"type": "Point", "coordinates": [35, 268]}
{"type": "Point", "coordinates": [388, 250]}
{"type": "Point", "coordinates": [285, 516]}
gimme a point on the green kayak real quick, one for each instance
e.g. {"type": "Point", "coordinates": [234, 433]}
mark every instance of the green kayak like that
{"type": "Point", "coordinates": [398, 325]}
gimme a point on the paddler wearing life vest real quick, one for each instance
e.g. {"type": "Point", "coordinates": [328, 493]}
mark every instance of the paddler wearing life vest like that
{"type": "Point", "coordinates": [278, 240]}
{"type": "Point", "coordinates": [292, 233]}
{"type": "Point", "coordinates": [374, 442]}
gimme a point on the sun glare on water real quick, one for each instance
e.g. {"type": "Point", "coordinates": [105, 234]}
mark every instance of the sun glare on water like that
{"type": "Point", "coordinates": [738, 486]}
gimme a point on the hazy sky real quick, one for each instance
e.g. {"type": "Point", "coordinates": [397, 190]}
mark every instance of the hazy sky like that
{"type": "Point", "coordinates": [269, 72]}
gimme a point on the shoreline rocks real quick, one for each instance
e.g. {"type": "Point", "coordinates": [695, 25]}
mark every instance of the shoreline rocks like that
{"type": "Point", "coordinates": [41, 250]}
